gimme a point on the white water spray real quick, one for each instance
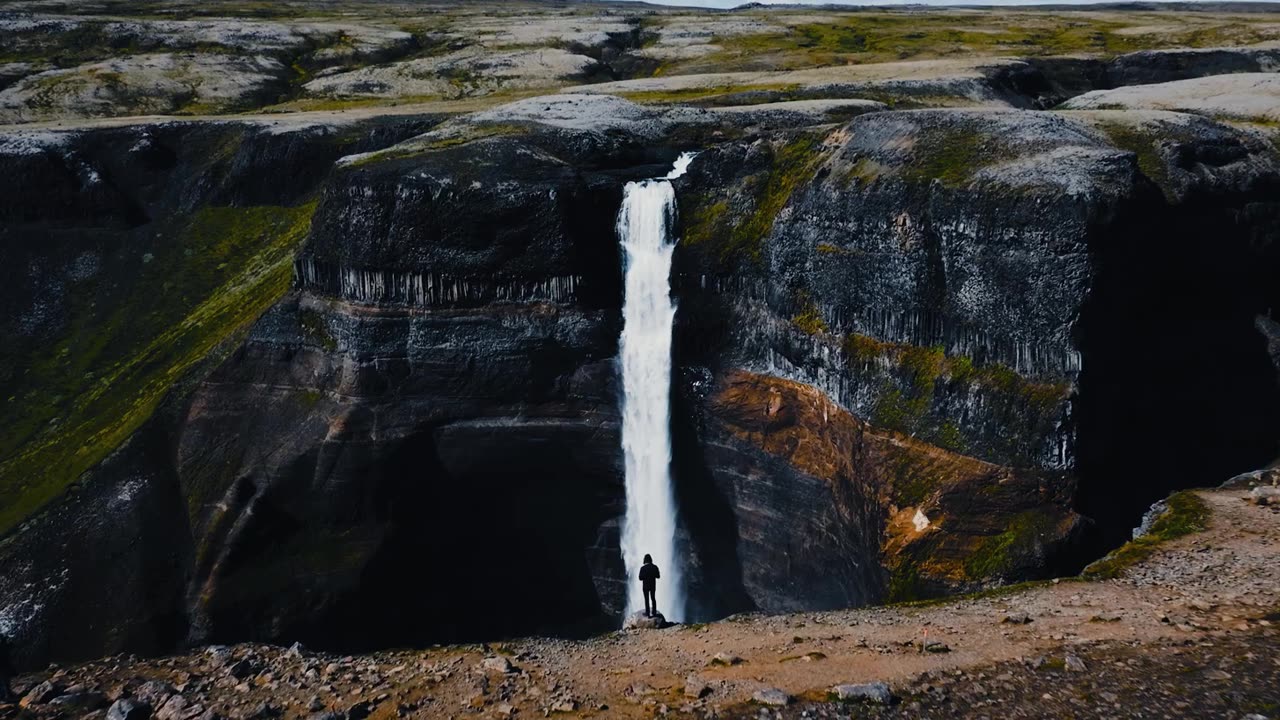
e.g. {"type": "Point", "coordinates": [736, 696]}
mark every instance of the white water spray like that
{"type": "Point", "coordinates": [649, 526]}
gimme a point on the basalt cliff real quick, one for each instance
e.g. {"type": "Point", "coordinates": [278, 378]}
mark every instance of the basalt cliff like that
{"type": "Point", "coordinates": [352, 381]}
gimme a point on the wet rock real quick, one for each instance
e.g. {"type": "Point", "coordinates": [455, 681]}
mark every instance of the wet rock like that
{"type": "Point", "coordinates": [876, 692]}
{"type": "Point", "coordinates": [129, 709]}
{"type": "Point", "coordinates": [772, 697]}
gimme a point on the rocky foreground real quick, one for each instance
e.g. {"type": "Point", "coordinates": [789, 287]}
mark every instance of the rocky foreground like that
{"type": "Point", "coordinates": [1191, 631]}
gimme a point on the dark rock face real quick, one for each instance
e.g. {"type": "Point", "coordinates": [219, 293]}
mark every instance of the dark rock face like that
{"type": "Point", "coordinates": [428, 466]}
{"type": "Point", "coordinates": [905, 349]}
{"type": "Point", "coordinates": [938, 273]}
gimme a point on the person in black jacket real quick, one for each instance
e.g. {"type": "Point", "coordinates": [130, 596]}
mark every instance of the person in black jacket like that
{"type": "Point", "coordinates": [648, 582]}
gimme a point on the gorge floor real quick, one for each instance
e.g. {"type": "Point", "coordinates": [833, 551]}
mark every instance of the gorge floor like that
{"type": "Point", "coordinates": [1190, 632]}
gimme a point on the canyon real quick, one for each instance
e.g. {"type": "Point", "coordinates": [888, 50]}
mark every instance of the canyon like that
{"type": "Point", "coordinates": [349, 376]}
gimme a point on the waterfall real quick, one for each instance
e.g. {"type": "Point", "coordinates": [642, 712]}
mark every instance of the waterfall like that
{"type": "Point", "coordinates": [649, 526]}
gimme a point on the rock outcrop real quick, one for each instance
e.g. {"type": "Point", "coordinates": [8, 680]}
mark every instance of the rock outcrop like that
{"type": "Point", "coordinates": [906, 346]}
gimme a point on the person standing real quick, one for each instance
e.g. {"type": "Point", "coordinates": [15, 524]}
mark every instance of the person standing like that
{"type": "Point", "coordinates": [649, 575]}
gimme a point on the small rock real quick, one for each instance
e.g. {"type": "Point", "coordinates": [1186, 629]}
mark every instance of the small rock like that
{"type": "Point", "coordinates": [295, 650]}
{"type": "Point", "coordinates": [1215, 674]}
{"type": "Point", "coordinates": [876, 692]}
{"type": "Point", "coordinates": [638, 692]}
{"type": "Point", "coordinates": [81, 700]}
{"type": "Point", "coordinates": [129, 709]}
{"type": "Point", "coordinates": [1264, 495]}
{"type": "Point", "coordinates": [154, 692]}
{"type": "Point", "coordinates": [1016, 618]}
{"type": "Point", "coordinates": [40, 694]}
{"type": "Point", "coordinates": [243, 669]}
{"type": "Point", "coordinates": [359, 711]}
{"type": "Point", "coordinates": [498, 663]}
{"type": "Point", "coordinates": [1201, 605]}
{"type": "Point", "coordinates": [1105, 618]}
{"type": "Point", "coordinates": [695, 688]}
{"type": "Point", "coordinates": [772, 697]}
{"type": "Point", "coordinates": [934, 646]}
{"type": "Point", "coordinates": [505, 709]}
{"type": "Point", "coordinates": [178, 707]}
{"type": "Point", "coordinates": [566, 705]}
{"type": "Point", "coordinates": [725, 658]}
{"type": "Point", "coordinates": [1074, 664]}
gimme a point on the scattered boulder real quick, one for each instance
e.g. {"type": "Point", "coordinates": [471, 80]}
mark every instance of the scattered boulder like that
{"type": "Point", "coordinates": [154, 693]}
{"type": "Point", "coordinates": [876, 692]}
{"type": "Point", "coordinates": [80, 699]}
{"type": "Point", "coordinates": [41, 694]}
{"type": "Point", "coordinates": [935, 646]}
{"type": "Point", "coordinates": [1264, 495]}
{"type": "Point", "coordinates": [129, 709]}
{"type": "Point", "coordinates": [178, 707]}
{"type": "Point", "coordinates": [637, 693]}
{"type": "Point", "coordinates": [243, 669]}
{"type": "Point", "coordinates": [772, 697]}
{"type": "Point", "coordinates": [498, 664]}
{"type": "Point", "coordinates": [726, 659]}
{"type": "Point", "coordinates": [696, 688]}
{"type": "Point", "coordinates": [1074, 664]}
{"type": "Point", "coordinates": [1016, 618]}
{"type": "Point", "coordinates": [564, 705]}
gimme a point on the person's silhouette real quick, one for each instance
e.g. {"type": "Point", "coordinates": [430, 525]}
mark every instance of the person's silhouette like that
{"type": "Point", "coordinates": [648, 582]}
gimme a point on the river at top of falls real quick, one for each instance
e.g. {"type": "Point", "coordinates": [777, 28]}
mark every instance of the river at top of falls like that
{"type": "Point", "coordinates": [649, 525]}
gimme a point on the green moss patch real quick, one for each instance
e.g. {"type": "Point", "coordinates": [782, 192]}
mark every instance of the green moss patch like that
{"type": "Point", "coordinates": [913, 378]}
{"type": "Point", "coordinates": [131, 335]}
{"type": "Point", "coordinates": [1186, 514]}
{"type": "Point", "coordinates": [710, 224]}
{"type": "Point", "coordinates": [998, 554]}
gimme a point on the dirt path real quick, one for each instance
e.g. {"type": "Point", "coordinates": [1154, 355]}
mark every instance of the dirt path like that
{"type": "Point", "coordinates": [1219, 588]}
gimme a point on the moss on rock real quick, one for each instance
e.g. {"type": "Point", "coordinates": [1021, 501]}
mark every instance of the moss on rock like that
{"type": "Point", "coordinates": [129, 339]}
{"type": "Point", "coordinates": [1185, 514]}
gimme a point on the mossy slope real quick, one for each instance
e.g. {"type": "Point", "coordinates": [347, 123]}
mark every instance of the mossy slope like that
{"type": "Point", "coordinates": [132, 333]}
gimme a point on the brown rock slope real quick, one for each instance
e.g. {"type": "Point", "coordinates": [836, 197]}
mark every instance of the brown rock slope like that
{"type": "Point", "coordinates": [1187, 632]}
